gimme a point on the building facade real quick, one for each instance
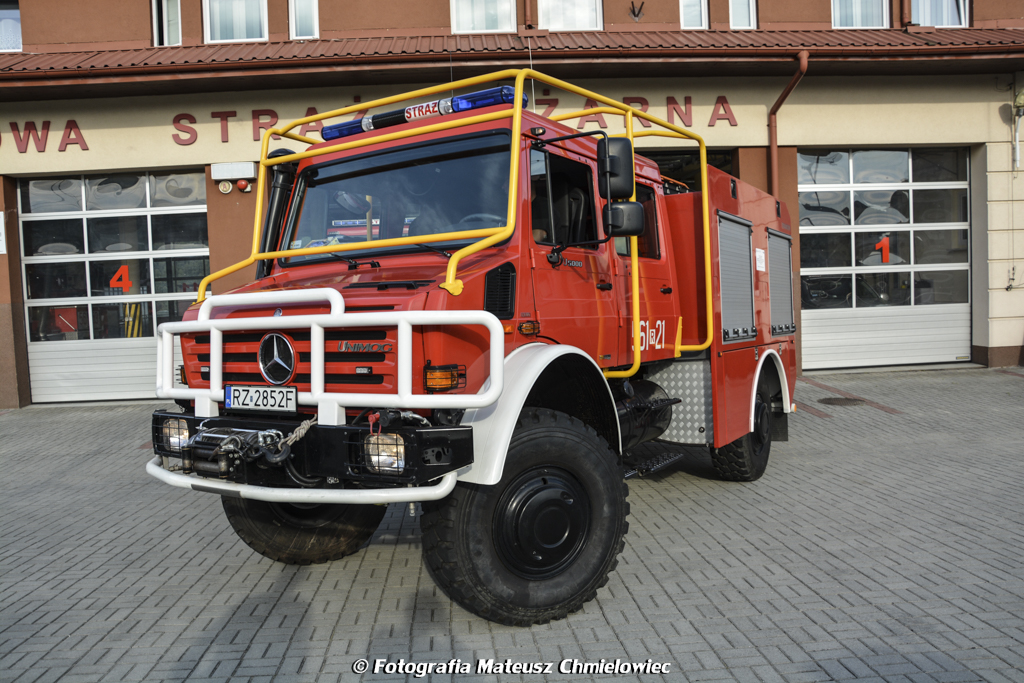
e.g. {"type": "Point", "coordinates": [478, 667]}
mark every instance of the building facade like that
{"type": "Point", "coordinates": [896, 153]}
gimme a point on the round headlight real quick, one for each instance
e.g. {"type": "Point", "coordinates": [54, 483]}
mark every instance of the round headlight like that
{"type": "Point", "coordinates": [385, 453]}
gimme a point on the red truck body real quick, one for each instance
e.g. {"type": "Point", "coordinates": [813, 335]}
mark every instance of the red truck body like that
{"type": "Point", "coordinates": [406, 342]}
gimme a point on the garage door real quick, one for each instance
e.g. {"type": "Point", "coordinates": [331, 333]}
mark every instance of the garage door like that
{"type": "Point", "coordinates": [105, 260]}
{"type": "Point", "coordinates": [884, 256]}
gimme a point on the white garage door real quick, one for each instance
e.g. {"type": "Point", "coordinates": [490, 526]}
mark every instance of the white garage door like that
{"type": "Point", "coordinates": [884, 256]}
{"type": "Point", "coordinates": [105, 259]}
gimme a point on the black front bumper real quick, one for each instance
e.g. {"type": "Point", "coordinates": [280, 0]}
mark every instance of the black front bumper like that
{"type": "Point", "coordinates": [334, 452]}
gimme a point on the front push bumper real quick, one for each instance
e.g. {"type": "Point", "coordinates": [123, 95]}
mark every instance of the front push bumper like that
{"type": "Point", "coordinates": [331, 461]}
{"type": "Point", "coordinates": [309, 496]}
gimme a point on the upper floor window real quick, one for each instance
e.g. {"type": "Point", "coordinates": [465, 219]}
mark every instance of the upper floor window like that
{"type": "Point", "coordinates": [303, 19]}
{"type": "Point", "coordinates": [10, 26]}
{"type": "Point", "coordinates": [693, 13]}
{"type": "Point", "coordinates": [742, 14]}
{"type": "Point", "coordinates": [166, 22]}
{"type": "Point", "coordinates": [483, 16]}
{"type": "Point", "coordinates": [570, 15]}
{"type": "Point", "coordinates": [947, 13]}
{"type": "Point", "coordinates": [235, 21]}
{"type": "Point", "coordinates": [859, 14]}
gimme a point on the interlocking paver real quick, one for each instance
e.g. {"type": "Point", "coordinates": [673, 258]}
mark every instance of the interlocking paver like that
{"type": "Point", "coordinates": [880, 545]}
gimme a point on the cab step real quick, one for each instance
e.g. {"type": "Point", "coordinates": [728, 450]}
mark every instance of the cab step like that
{"type": "Point", "coordinates": [650, 457]}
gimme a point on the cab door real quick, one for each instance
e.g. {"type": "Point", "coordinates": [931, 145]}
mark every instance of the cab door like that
{"type": "Point", "coordinates": [659, 307]}
{"type": "Point", "coordinates": [571, 271]}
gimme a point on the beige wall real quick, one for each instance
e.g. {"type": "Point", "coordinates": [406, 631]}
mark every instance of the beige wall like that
{"type": "Point", "coordinates": [1005, 229]}
{"type": "Point", "coordinates": [138, 133]}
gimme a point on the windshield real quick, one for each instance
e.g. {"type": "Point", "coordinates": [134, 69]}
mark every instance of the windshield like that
{"type": "Point", "coordinates": [451, 186]}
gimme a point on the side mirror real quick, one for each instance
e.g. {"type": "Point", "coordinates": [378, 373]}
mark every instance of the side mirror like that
{"type": "Point", "coordinates": [624, 219]}
{"type": "Point", "coordinates": [615, 156]}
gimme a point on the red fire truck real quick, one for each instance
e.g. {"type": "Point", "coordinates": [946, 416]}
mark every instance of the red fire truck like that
{"type": "Point", "coordinates": [467, 305]}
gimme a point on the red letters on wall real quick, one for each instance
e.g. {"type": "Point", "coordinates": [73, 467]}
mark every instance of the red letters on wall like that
{"type": "Point", "coordinates": [191, 134]}
{"type": "Point", "coordinates": [38, 136]}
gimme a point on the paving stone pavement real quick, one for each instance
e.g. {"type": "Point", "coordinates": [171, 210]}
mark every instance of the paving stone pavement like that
{"type": "Point", "coordinates": [885, 542]}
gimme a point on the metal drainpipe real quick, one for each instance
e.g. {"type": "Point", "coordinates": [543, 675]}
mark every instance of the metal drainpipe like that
{"type": "Point", "coordinates": [773, 141]}
{"type": "Point", "coordinates": [905, 17]}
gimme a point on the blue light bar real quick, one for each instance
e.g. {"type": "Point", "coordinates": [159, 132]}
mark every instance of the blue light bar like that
{"type": "Point", "coordinates": [342, 130]}
{"type": "Point", "coordinates": [485, 98]}
{"type": "Point", "coordinates": [505, 94]}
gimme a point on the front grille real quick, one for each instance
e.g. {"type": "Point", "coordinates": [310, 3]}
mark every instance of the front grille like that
{"type": "Point", "coordinates": [230, 357]}
{"type": "Point", "coordinates": [297, 335]}
{"type": "Point", "coordinates": [240, 358]}
{"type": "Point", "coordinates": [302, 378]}
{"type": "Point", "coordinates": [344, 379]}
{"type": "Point", "coordinates": [346, 357]}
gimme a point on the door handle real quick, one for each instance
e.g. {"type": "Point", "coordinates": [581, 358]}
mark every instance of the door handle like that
{"type": "Point", "coordinates": [604, 286]}
{"type": "Point", "coordinates": [666, 290]}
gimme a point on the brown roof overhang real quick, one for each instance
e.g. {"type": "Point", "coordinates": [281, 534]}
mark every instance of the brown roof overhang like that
{"type": "Point", "coordinates": [26, 76]}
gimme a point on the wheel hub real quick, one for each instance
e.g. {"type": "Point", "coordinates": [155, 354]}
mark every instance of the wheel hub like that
{"type": "Point", "coordinates": [541, 522]}
{"type": "Point", "coordinates": [762, 421]}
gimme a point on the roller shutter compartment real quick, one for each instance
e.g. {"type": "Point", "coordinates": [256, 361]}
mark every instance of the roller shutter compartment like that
{"type": "Point", "coordinates": [736, 277]}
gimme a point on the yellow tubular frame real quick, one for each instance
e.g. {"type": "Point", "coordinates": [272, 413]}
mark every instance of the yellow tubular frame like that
{"type": "Point", "coordinates": [488, 236]}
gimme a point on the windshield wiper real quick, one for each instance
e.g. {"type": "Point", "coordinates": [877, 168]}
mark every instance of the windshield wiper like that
{"type": "Point", "coordinates": [439, 250]}
{"type": "Point", "coordinates": [352, 263]}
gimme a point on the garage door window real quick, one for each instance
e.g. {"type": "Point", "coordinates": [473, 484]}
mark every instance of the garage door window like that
{"type": "Point", "coordinates": [107, 256]}
{"type": "Point", "coordinates": [875, 223]}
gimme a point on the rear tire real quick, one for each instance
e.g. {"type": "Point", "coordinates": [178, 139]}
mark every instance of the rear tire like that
{"type": "Point", "coordinates": [302, 534]}
{"type": "Point", "coordinates": [746, 458]}
{"type": "Point", "coordinates": [538, 544]}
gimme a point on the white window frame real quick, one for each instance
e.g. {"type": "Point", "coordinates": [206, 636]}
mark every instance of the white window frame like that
{"type": "Point", "coordinates": [599, 15]}
{"type": "Point", "coordinates": [206, 27]}
{"type": "Point", "coordinates": [912, 266]}
{"type": "Point", "coordinates": [835, 14]}
{"type": "Point", "coordinates": [753, 17]}
{"type": "Point", "coordinates": [703, 17]}
{"type": "Point", "coordinates": [964, 9]}
{"type": "Point", "coordinates": [292, 23]}
{"type": "Point", "coordinates": [21, 49]}
{"type": "Point", "coordinates": [86, 257]}
{"type": "Point", "coordinates": [159, 30]}
{"type": "Point", "coordinates": [455, 31]}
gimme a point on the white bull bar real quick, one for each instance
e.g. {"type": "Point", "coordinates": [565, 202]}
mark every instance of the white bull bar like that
{"type": "Point", "coordinates": [330, 406]}
{"type": "Point", "coordinates": [410, 494]}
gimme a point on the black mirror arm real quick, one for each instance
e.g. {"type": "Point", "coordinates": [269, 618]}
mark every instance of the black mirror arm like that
{"type": "Point", "coordinates": [555, 256]}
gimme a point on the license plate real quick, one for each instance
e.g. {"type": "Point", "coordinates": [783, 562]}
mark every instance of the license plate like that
{"type": "Point", "coordinates": [271, 399]}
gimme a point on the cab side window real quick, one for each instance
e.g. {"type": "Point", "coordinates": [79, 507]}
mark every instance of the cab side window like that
{"type": "Point", "coordinates": [647, 245]}
{"type": "Point", "coordinates": [562, 200]}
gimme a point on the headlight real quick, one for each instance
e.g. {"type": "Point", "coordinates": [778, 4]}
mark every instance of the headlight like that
{"type": "Point", "coordinates": [385, 453]}
{"type": "Point", "coordinates": [175, 434]}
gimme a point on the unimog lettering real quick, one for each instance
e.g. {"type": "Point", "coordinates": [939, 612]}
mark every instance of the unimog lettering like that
{"type": "Point", "coordinates": [359, 347]}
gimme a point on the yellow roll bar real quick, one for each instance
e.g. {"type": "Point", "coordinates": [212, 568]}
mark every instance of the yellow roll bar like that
{"type": "Point", "coordinates": [488, 236]}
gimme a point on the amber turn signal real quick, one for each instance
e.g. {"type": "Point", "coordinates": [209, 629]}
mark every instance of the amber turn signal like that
{"type": "Point", "coordinates": [444, 377]}
{"type": "Point", "coordinates": [529, 328]}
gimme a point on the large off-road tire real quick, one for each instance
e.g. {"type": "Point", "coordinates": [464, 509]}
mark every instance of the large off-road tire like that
{"type": "Point", "coordinates": [302, 534]}
{"type": "Point", "coordinates": [746, 458]}
{"type": "Point", "coordinates": [539, 543]}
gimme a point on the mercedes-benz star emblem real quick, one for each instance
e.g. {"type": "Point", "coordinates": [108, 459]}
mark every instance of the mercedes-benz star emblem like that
{"type": "Point", "coordinates": [276, 358]}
